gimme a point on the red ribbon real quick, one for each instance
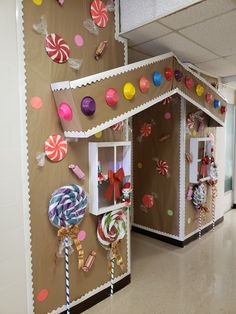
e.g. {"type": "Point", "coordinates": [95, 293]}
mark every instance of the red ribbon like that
{"type": "Point", "coordinates": [115, 179]}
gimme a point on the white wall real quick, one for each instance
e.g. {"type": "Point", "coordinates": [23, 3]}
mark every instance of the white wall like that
{"type": "Point", "coordinates": [224, 200]}
{"type": "Point", "coordinates": [12, 257]}
{"type": "Point", "coordinates": [135, 13]}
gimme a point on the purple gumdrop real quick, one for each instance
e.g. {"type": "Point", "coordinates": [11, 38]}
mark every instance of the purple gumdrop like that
{"type": "Point", "coordinates": [178, 75]}
{"type": "Point", "coordinates": [88, 106]}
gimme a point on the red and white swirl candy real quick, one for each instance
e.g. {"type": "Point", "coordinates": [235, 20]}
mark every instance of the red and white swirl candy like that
{"type": "Point", "coordinates": [146, 129]}
{"type": "Point", "coordinates": [162, 167]}
{"type": "Point", "coordinates": [190, 121]}
{"type": "Point", "coordinates": [99, 13]}
{"type": "Point", "coordinates": [56, 48]}
{"type": "Point", "coordinates": [118, 126]}
{"type": "Point", "coordinates": [55, 147]}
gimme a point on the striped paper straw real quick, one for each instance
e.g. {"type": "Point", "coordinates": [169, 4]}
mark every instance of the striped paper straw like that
{"type": "Point", "coordinates": [112, 275]}
{"type": "Point", "coordinates": [67, 275]}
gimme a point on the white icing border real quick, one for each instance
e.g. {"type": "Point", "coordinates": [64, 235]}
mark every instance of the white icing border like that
{"type": "Point", "coordinates": [182, 168]}
{"type": "Point", "coordinates": [24, 154]}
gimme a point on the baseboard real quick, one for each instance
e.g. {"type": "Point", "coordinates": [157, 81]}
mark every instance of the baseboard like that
{"type": "Point", "coordinates": [174, 242]}
{"type": "Point", "coordinates": [233, 206]}
{"type": "Point", "coordinates": [204, 231]}
{"type": "Point", "coordinates": [158, 236]}
{"type": "Point", "coordinates": [100, 296]}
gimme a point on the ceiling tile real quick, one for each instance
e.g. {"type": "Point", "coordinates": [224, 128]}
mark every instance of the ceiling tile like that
{"type": "Point", "coordinates": [217, 34]}
{"type": "Point", "coordinates": [198, 13]}
{"type": "Point", "coordinates": [145, 33]}
{"type": "Point", "coordinates": [182, 47]}
{"type": "Point", "coordinates": [231, 59]}
{"type": "Point", "coordinates": [219, 67]}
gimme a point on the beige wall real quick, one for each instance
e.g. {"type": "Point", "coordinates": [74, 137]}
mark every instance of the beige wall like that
{"type": "Point", "coordinates": [12, 257]}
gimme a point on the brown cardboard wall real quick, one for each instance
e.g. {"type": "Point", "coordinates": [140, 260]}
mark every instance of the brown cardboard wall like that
{"type": "Point", "coordinates": [191, 214]}
{"type": "Point", "coordinates": [41, 71]}
{"type": "Point", "coordinates": [164, 215]}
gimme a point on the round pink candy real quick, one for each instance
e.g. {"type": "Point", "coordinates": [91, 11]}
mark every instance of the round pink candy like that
{"type": "Point", "coordinates": [112, 97]}
{"type": "Point", "coordinates": [167, 115]}
{"type": "Point", "coordinates": [81, 235]}
{"type": "Point", "coordinates": [64, 111]}
{"type": "Point", "coordinates": [79, 41]}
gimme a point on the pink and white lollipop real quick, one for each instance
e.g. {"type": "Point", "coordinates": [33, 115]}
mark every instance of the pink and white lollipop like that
{"type": "Point", "coordinates": [56, 48]}
{"type": "Point", "coordinates": [55, 147]}
{"type": "Point", "coordinates": [99, 13]}
{"type": "Point", "coordinates": [162, 167]}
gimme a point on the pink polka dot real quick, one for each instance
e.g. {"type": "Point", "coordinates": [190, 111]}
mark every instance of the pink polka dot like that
{"type": "Point", "coordinates": [79, 41]}
{"type": "Point", "coordinates": [42, 295]}
{"type": "Point", "coordinates": [167, 115]}
{"type": "Point", "coordinates": [81, 235]}
{"type": "Point", "coordinates": [36, 102]}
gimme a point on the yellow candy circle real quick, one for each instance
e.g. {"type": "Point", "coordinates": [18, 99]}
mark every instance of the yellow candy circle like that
{"type": "Point", "coordinates": [140, 165]}
{"type": "Point", "coordinates": [129, 91]}
{"type": "Point", "coordinates": [189, 220]}
{"type": "Point", "coordinates": [37, 2]}
{"type": "Point", "coordinates": [194, 133]}
{"type": "Point", "coordinates": [199, 90]}
{"type": "Point", "coordinates": [98, 134]}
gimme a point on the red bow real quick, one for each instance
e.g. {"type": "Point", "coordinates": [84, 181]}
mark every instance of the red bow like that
{"type": "Point", "coordinates": [115, 179]}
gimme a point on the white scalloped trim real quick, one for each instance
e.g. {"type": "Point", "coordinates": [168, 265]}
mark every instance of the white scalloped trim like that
{"type": "Point", "coordinates": [122, 40]}
{"type": "Point", "coordinates": [107, 74]}
{"type": "Point", "coordinates": [169, 235]}
{"type": "Point", "coordinates": [24, 155]}
{"type": "Point", "coordinates": [182, 168]}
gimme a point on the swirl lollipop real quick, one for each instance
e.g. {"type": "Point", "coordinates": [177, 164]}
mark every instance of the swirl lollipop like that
{"type": "Point", "coordinates": [111, 229]}
{"type": "Point", "coordinates": [66, 210]}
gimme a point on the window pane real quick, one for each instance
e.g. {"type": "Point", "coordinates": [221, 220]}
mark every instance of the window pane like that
{"type": "Point", "coordinates": [229, 147]}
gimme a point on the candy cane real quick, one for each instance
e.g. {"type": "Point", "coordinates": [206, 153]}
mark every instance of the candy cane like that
{"type": "Point", "coordinates": [214, 193]}
{"type": "Point", "coordinates": [67, 275]}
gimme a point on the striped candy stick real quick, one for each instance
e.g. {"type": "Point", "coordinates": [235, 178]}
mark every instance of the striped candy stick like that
{"type": "Point", "coordinates": [67, 275]}
{"type": "Point", "coordinates": [112, 275]}
{"type": "Point", "coordinates": [200, 224]}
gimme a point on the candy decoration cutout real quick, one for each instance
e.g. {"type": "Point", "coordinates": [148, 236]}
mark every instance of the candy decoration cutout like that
{"type": "Point", "coordinates": [118, 126]}
{"type": "Point", "coordinates": [216, 103]}
{"type": "Point", "coordinates": [126, 194]}
{"type": "Point", "coordinates": [56, 48]}
{"type": "Point", "coordinates": [148, 200]}
{"type": "Point", "coordinates": [99, 13]}
{"type": "Point", "coordinates": [223, 109]}
{"type": "Point", "coordinates": [190, 121]}
{"type": "Point", "coordinates": [129, 91]}
{"type": "Point", "coordinates": [111, 230]}
{"type": "Point", "coordinates": [199, 90]}
{"type": "Point", "coordinates": [89, 262]}
{"type": "Point", "coordinates": [157, 78]}
{"type": "Point", "coordinates": [178, 75]}
{"type": "Point", "coordinates": [66, 210]}
{"type": "Point", "coordinates": [167, 100]}
{"type": "Point", "coordinates": [209, 98]}
{"type": "Point", "coordinates": [55, 147]}
{"type": "Point", "coordinates": [112, 97]}
{"type": "Point", "coordinates": [146, 129]}
{"type": "Point", "coordinates": [162, 167]}
{"type": "Point", "coordinates": [64, 111]}
{"type": "Point", "coordinates": [100, 49]}
{"type": "Point", "coordinates": [189, 82]}
{"type": "Point", "coordinates": [169, 74]}
{"type": "Point", "coordinates": [88, 106]}
{"type": "Point", "coordinates": [199, 199]}
{"type": "Point", "coordinates": [144, 84]}
{"type": "Point", "coordinates": [77, 171]}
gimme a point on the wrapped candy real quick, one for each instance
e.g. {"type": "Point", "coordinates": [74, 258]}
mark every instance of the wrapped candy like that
{"type": "Point", "coordinates": [77, 171]}
{"type": "Point", "coordinates": [40, 157]}
{"type": "Point", "coordinates": [55, 46]}
{"type": "Point", "coordinates": [89, 262]}
{"type": "Point", "coordinates": [147, 202]}
{"type": "Point", "coordinates": [91, 27]}
{"type": "Point", "coordinates": [60, 2]}
{"type": "Point", "coordinates": [100, 49]}
{"type": "Point", "coordinates": [110, 6]}
{"type": "Point", "coordinates": [99, 13]}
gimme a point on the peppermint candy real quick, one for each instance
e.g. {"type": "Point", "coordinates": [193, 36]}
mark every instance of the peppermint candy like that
{"type": "Point", "coordinates": [146, 129]}
{"type": "Point", "coordinates": [118, 126]}
{"type": "Point", "coordinates": [67, 206]}
{"type": "Point", "coordinates": [56, 48]}
{"type": "Point", "coordinates": [162, 167]}
{"type": "Point", "coordinates": [55, 147]}
{"type": "Point", "coordinates": [190, 121]}
{"type": "Point", "coordinates": [99, 13]}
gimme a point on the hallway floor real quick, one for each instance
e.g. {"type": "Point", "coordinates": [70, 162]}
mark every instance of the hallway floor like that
{"type": "Point", "coordinates": [198, 279]}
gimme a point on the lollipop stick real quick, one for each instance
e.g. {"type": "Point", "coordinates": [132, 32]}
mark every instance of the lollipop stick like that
{"type": "Point", "coordinates": [67, 275]}
{"type": "Point", "coordinates": [200, 224]}
{"type": "Point", "coordinates": [112, 275]}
